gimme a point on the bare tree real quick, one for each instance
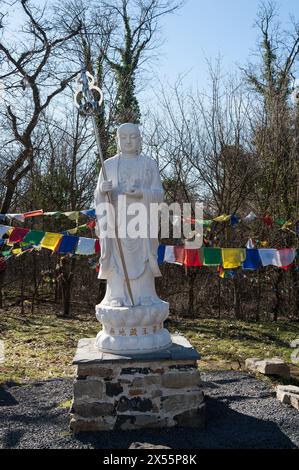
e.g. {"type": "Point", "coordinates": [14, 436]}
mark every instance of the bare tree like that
{"type": "Point", "coordinates": [138, 25]}
{"type": "Point", "coordinates": [29, 67]}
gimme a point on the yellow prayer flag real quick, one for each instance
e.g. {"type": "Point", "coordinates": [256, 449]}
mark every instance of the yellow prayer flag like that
{"type": "Point", "coordinates": [16, 251]}
{"type": "Point", "coordinates": [51, 240]}
{"type": "Point", "coordinates": [264, 244]}
{"type": "Point", "coordinates": [222, 218]}
{"type": "Point", "coordinates": [287, 225]}
{"type": "Point", "coordinates": [233, 257]}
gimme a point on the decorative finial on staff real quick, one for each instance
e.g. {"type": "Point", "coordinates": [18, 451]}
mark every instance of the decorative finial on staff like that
{"type": "Point", "coordinates": [85, 96]}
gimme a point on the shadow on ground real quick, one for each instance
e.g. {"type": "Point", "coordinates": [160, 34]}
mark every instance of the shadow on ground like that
{"type": "Point", "coordinates": [241, 413]}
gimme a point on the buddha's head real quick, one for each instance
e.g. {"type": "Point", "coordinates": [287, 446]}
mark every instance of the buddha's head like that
{"type": "Point", "coordinates": [128, 139]}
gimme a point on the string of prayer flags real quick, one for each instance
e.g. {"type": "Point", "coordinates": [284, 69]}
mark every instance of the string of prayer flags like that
{"type": "Point", "coordinates": [68, 244]}
{"type": "Point", "coordinates": [17, 234]}
{"type": "Point", "coordinates": [86, 246]}
{"type": "Point", "coordinates": [233, 257]}
{"type": "Point", "coordinates": [212, 256]}
{"type": "Point", "coordinates": [51, 241]}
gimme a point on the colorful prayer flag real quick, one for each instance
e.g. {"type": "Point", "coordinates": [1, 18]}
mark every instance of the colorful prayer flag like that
{"type": "Point", "coordinates": [252, 260]}
{"type": "Point", "coordinates": [4, 229]}
{"type": "Point", "coordinates": [269, 257]}
{"type": "Point", "coordinates": [86, 246]}
{"type": "Point", "coordinates": [68, 244]}
{"type": "Point", "coordinates": [222, 218]}
{"type": "Point", "coordinates": [192, 257]}
{"type": "Point", "coordinates": [34, 237]}
{"type": "Point", "coordinates": [51, 241]}
{"type": "Point", "coordinates": [161, 253]}
{"type": "Point", "coordinates": [33, 213]}
{"type": "Point", "coordinates": [17, 234]}
{"type": "Point", "coordinates": [233, 257]}
{"type": "Point", "coordinates": [212, 256]}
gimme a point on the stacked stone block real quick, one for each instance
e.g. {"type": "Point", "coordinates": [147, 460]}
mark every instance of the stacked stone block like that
{"type": "Point", "coordinates": [132, 393]}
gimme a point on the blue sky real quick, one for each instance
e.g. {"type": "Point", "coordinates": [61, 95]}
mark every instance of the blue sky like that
{"type": "Point", "coordinates": [206, 29]}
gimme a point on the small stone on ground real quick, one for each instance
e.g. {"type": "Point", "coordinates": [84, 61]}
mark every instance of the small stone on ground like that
{"type": "Point", "coordinates": [288, 394]}
{"type": "Point", "coordinates": [273, 366]}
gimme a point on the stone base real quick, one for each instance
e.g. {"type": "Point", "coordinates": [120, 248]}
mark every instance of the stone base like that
{"type": "Point", "coordinates": [157, 390]}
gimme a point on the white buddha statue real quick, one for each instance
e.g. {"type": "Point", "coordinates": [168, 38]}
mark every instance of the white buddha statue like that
{"type": "Point", "coordinates": [128, 328]}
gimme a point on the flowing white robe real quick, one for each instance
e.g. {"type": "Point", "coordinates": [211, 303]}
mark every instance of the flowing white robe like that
{"type": "Point", "coordinates": [140, 253]}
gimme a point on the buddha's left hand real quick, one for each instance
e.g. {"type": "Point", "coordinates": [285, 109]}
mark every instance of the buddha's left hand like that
{"type": "Point", "coordinates": [135, 193]}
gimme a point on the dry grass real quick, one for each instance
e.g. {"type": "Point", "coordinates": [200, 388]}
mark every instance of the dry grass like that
{"type": "Point", "coordinates": [41, 346]}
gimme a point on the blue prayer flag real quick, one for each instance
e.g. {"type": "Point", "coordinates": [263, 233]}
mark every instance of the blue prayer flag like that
{"type": "Point", "coordinates": [253, 260]}
{"type": "Point", "coordinates": [68, 244]}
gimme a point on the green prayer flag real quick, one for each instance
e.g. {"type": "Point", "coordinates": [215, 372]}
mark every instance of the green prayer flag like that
{"type": "Point", "coordinates": [204, 222]}
{"type": "Point", "coordinates": [280, 222]}
{"type": "Point", "coordinates": [212, 256]}
{"type": "Point", "coordinates": [5, 253]}
{"type": "Point", "coordinates": [34, 237]}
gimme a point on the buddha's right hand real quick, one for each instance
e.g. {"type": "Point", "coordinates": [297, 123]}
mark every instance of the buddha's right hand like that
{"type": "Point", "coordinates": [106, 186]}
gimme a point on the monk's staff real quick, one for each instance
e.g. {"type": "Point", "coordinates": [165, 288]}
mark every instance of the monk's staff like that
{"type": "Point", "coordinates": [87, 104]}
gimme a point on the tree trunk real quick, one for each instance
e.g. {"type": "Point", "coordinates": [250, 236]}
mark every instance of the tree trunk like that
{"type": "Point", "coordinates": [237, 298]}
{"type": "Point", "coordinates": [278, 305]}
{"type": "Point", "coordinates": [191, 276]}
{"type": "Point", "coordinates": [67, 276]}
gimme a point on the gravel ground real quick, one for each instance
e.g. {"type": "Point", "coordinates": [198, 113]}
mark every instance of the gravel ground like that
{"type": "Point", "coordinates": [241, 413]}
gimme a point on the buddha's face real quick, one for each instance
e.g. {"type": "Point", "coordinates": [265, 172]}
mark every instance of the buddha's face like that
{"type": "Point", "coordinates": [129, 139]}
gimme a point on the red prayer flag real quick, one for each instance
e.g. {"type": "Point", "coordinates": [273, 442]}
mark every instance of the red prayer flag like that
{"type": "Point", "coordinates": [286, 268]}
{"type": "Point", "coordinates": [192, 258]}
{"type": "Point", "coordinates": [91, 224]}
{"type": "Point", "coordinates": [268, 220]}
{"type": "Point", "coordinates": [33, 213]}
{"type": "Point", "coordinates": [18, 234]}
{"type": "Point", "coordinates": [97, 246]}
